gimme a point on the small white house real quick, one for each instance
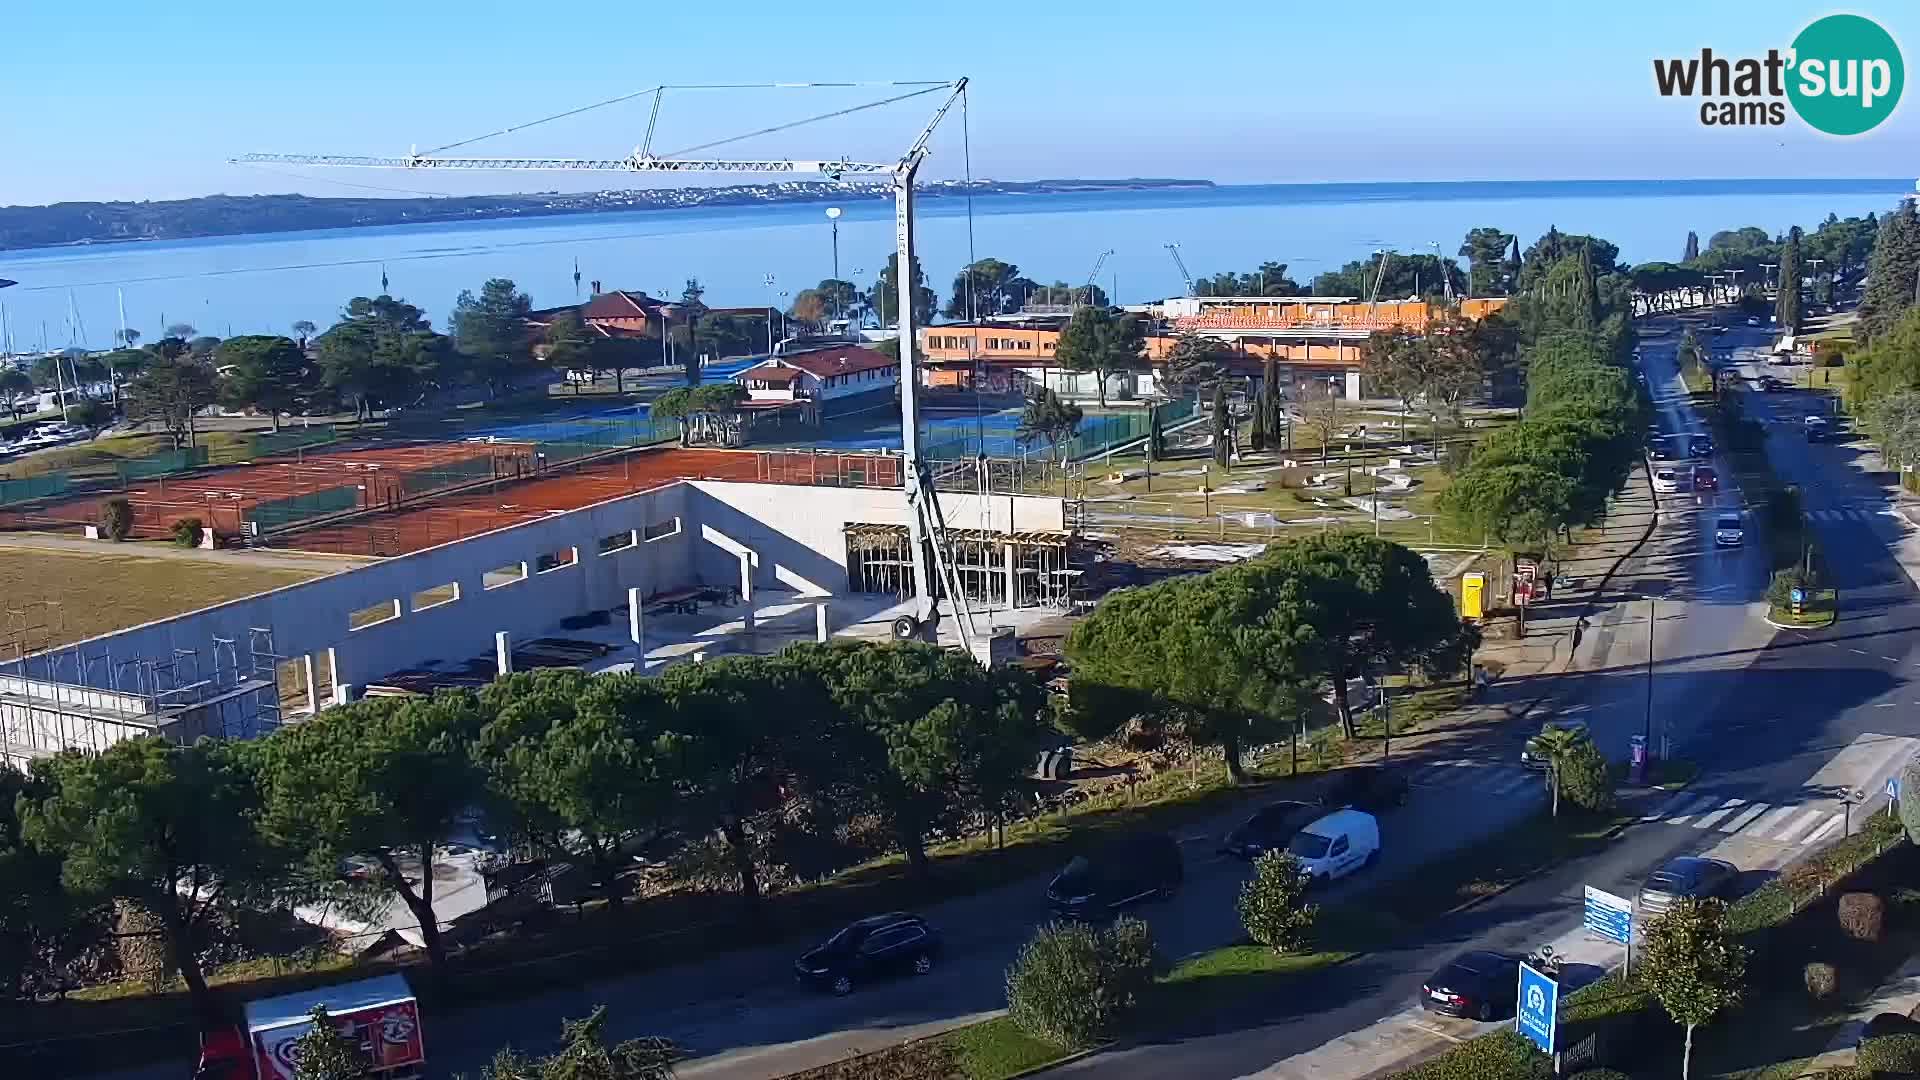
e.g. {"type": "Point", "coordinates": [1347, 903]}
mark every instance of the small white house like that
{"type": "Point", "coordinates": [820, 376]}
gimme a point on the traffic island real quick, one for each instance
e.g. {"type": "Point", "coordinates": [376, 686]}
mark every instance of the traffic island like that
{"type": "Point", "coordinates": [1817, 608]}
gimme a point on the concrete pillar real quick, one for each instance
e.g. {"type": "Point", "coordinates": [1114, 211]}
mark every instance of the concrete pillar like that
{"type": "Point", "coordinates": [313, 690]}
{"type": "Point", "coordinates": [342, 694]}
{"type": "Point", "coordinates": [503, 652]}
{"type": "Point", "coordinates": [634, 629]}
{"type": "Point", "coordinates": [1013, 580]}
{"type": "Point", "coordinates": [746, 590]}
{"type": "Point", "coordinates": [820, 629]}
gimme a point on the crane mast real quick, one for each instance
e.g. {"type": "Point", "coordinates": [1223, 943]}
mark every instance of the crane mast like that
{"type": "Point", "coordinates": [1094, 274]}
{"type": "Point", "coordinates": [933, 569]}
{"type": "Point", "coordinates": [1174, 250]}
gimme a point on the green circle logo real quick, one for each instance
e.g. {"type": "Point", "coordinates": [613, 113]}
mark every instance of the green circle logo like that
{"type": "Point", "coordinates": [1846, 75]}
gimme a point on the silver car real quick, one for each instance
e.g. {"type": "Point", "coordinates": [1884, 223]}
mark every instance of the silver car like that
{"type": "Point", "coordinates": [1685, 878]}
{"type": "Point", "coordinates": [1527, 758]}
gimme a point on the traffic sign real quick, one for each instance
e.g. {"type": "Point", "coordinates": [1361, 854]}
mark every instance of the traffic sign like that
{"type": "Point", "coordinates": [1893, 787]}
{"type": "Point", "coordinates": [1538, 1008]}
{"type": "Point", "coordinates": [1609, 916]}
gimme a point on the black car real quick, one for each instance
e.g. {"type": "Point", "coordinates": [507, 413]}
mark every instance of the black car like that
{"type": "Point", "coordinates": [1477, 985]}
{"type": "Point", "coordinates": [873, 948]}
{"type": "Point", "coordinates": [1687, 877]}
{"type": "Point", "coordinates": [1661, 448]}
{"type": "Point", "coordinates": [1269, 829]}
{"type": "Point", "coordinates": [1123, 870]}
{"type": "Point", "coordinates": [1371, 788]}
{"type": "Point", "coordinates": [1700, 445]}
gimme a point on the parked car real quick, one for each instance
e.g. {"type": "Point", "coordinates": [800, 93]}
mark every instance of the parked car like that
{"type": "Point", "coordinates": [1478, 985]}
{"type": "Point", "coordinates": [1372, 788]}
{"type": "Point", "coordinates": [1753, 320]}
{"type": "Point", "coordinates": [1123, 870]}
{"type": "Point", "coordinates": [1666, 481]}
{"type": "Point", "coordinates": [1705, 479]}
{"type": "Point", "coordinates": [1700, 444]}
{"type": "Point", "coordinates": [876, 947]}
{"type": "Point", "coordinates": [1728, 531]}
{"type": "Point", "coordinates": [1269, 829]}
{"type": "Point", "coordinates": [1528, 760]}
{"type": "Point", "coordinates": [1816, 428]}
{"type": "Point", "coordinates": [1337, 845]}
{"type": "Point", "coordinates": [1688, 877]}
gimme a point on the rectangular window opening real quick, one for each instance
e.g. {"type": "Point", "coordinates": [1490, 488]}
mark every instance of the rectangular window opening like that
{"type": "Point", "coordinates": [436, 596]}
{"type": "Point", "coordinates": [502, 576]}
{"type": "Point", "coordinates": [374, 615]}
{"type": "Point", "coordinates": [556, 560]}
{"type": "Point", "coordinates": [619, 541]}
{"type": "Point", "coordinates": [660, 530]}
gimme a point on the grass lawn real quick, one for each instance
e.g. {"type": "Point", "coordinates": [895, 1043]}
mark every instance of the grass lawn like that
{"type": "Point", "coordinates": [100, 455]}
{"type": "Point", "coordinates": [75, 595]}
{"type": "Point", "coordinates": [997, 1048]}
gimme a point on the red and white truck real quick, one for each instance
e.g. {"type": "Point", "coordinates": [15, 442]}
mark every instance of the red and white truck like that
{"type": "Point", "coordinates": [380, 1013]}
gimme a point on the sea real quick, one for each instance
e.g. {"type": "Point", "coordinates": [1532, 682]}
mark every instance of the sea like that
{"type": "Point", "coordinates": [761, 254]}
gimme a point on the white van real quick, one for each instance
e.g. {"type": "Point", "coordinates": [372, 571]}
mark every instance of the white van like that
{"type": "Point", "coordinates": [1337, 845]}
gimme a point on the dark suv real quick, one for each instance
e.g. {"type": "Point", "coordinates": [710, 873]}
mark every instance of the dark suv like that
{"type": "Point", "coordinates": [872, 948]}
{"type": "Point", "coordinates": [1371, 788]}
{"type": "Point", "coordinates": [1269, 829]}
{"type": "Point", "coordinates": [1123, 870]}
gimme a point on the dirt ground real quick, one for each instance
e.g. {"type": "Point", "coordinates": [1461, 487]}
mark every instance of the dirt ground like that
{"type": "Point", "coordinates": [51, 598]}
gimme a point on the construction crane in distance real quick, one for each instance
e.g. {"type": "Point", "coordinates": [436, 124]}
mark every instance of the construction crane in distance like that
{"type": "Point", "coordinates": [1174, 250]}
{"type": "Point", "coordinates": [1094, 275]}
{"type": "Point", "coordinates": [933, 566]}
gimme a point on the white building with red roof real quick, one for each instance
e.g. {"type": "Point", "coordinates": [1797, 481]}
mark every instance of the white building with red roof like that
{"type": "Point", "coordinates": [838, 379]}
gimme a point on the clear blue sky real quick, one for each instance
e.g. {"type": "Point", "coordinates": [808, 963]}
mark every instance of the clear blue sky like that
{"type": "Point", "coordinates": [134, 99]}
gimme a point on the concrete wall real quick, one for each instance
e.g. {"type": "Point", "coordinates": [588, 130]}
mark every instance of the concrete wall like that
{"type": "Point", "coordinates": [313, 617]}
{"type": "Point", "coordinates": [795, 535]}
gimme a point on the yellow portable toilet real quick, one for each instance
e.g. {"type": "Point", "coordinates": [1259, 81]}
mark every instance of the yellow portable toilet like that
{"type": "Point", "coordinates": [1472, 588]}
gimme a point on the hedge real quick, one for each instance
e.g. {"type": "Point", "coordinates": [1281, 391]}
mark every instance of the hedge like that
{"type": "Point", "coordinates": [1896, 1054]}
{"type": "Point", "coordinates": [1501, 1056]}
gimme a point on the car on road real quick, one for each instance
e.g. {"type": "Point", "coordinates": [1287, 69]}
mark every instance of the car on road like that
{"type": "Point", "coordinates": [1477, 985]}
{"type": "Point", "coordinates": [1666, 481]}
{"type": "Point", "coordinates": [1769, 384]}
{"type": "Point", "coordinates": [877, 947]}
{"type": "Point", "coordinates": [1269, 829]}
{"type": "Point", "coordinates": [1123, 870]}
{"type": "Point", "coordinates": [1688, 877]}
{"type": "Point", "coordinates": [1753, 320]}
{"type": "Point", "coordinates": [1527, 758]}
{"type": "Point", "coordinates": [1661, 448]}
{"type": "Point", "coordinates": [1705, 479]}
{"type": "Point", "coordinates": [1700, 444]}
{"type": "Point", "coordinates": [1370, 788]}
{"type": "Point", "coordinates": [1728, 531]}
{"type": "Point", "coordinates": [1336, 845]}
{"type": "Point", "coordinates": [1817, 428]}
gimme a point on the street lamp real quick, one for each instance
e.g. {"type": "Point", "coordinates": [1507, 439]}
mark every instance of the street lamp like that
{"type": "Point", "coordinates": [769, 283]}
{"type": "Point", "coordinates": [833, 218]}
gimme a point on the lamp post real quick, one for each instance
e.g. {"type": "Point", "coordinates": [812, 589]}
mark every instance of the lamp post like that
{"type": "Point", "coordinates": [769, 284]}
{"type": "Point", "coordinates": [833, 218]}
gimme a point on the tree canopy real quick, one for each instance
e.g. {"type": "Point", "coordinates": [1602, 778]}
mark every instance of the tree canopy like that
{"type": "Point", "coordinates": [265, 372]}
{"type": "Point", "coordinates": [1104, 342]}
{"type": "Point", "coordinates": [490, 333]}
{"type": "Point", "coordinates": [883, 299]}
{"type": "Point", "coordinates": [171, 392]}
{"type": "Point", "coordinates": [987, 287]}
{"type": "Point", "coordinates": [1046, 418]}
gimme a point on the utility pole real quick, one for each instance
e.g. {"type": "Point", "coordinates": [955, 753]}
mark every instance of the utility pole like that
{"type": "Point", "coordinates": [833, 217]}
{"type": "Point", "coordinates": [1646, 729]}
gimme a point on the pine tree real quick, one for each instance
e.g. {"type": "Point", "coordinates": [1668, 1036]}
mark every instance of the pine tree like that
{"type": "Point", "coordinates": [1893, 272]}
{"type": "Point", "coordinates": [1787, 308]}
{"type": "Point", "coordinates": [1692, 251]}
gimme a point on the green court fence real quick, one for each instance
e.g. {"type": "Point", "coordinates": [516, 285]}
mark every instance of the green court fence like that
{"type": "Point", "coordinates": [161, 464]}
{"type": "Point", "coordinates": [449, 474]}
{"type": "Point", "coordinates": [1097, 434]}
{"type": "Point", "coordinates": [279, 513]}
{"type": "Point", "coordinates": [33, 487]}
{"type": "Point", "coordinates": [561, 441]}
{"type": "Point", "coordinates": [271, 444]}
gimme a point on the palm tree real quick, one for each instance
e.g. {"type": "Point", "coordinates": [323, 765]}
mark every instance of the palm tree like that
{"type": "Point", "coordinates": [1552, 746]}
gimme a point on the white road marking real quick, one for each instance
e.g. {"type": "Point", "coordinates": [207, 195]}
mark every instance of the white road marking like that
{"type": "Point", "coordinates": [1510, 784]}
{"type": "Point", "coordinates": [1832, 824]}
{"type": "Point", "coordinates": [1706, 820]}
{"type": "Point", "coordinates": [1772, 820]}
{"type": "Point", "coordinates": [1698, 805]}
{"type": "Point", "coordinates": [1735, 824]}
{"type": "Point", "coordinates": [1858, 652]}
{"type": "Point", "coordinates": [1798, 825]}
{"type": "Point", "coordinates": [1668, 807]}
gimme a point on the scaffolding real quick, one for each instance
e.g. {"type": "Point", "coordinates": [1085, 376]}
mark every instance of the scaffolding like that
{"type": "Point", "coordinates": [997, 569]}
{"type": "Point", "coordinates": [72, 699]}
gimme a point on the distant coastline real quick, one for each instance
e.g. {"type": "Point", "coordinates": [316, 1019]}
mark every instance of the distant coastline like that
{"type": "Point", "coordinates": [87, 223]}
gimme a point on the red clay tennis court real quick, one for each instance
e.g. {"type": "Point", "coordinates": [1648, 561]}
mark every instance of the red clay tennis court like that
{"type": "Point", "coordinates": [453, 517]}
{"type": "Point", "coordinates": [223, 498]}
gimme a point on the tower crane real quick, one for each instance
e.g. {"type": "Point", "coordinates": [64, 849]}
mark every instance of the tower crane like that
{"type": "Point", "coordinates": [932, 564]}
{"type": "Point", "coordinates": [1379, 275]}
{"type": "Point", "coordinates": [1094, 274]}
{"type": "Point", "coordinates": [1174, 250]}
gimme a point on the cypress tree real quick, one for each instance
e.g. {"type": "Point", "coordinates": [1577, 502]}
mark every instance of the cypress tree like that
{"type": "Point", "coordinates": [1222, 450]}
{"type": "Point", "coordinates": [1787, 308]}
{"type": "Point", "coordinates": [1692, 251]}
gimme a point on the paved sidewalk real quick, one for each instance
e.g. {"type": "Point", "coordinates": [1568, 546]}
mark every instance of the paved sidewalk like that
{"type": "Point", "coordinates": [1899, 994]}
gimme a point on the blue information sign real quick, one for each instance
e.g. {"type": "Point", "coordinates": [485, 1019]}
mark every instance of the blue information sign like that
{"type": "Point", "coordinates": [1893, 787]}
{"type": "Point", "coordinates": [1538, 1008]}
{"type": "Point", "coordinates": [1608, 916]}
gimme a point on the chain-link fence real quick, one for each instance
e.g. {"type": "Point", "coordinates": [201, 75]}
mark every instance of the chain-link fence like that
{"type": "Point", "coordinates": [271, 444]}
{"type": "Point", "coordinates": [33, 487]}
{"type": "Point", "coordinates": [279, 513]}
{"type": "Point", "coordinates": [165, 463]}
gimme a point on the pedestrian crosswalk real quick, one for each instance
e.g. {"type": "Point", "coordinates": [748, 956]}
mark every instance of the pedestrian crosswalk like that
{"type": "Point", "coordinates": [1790, 823]}
{"type": "Point", "coordinates": [1485, 777]}
{"type": "Point", "coordinates": [1849, 513]}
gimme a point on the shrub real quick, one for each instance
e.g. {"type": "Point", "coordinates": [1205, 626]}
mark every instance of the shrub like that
{"type": "Point", "coordinates": [1601, 1074]}
{"type": "Point", "coordinates": [1863, 916]}
{"type": "Point", "coordinates": [1500, 1056]}
{"type": "Point", "coordinates": [1584, 779]}
{"type": "Point", "coordinates": [1897, 1054]}
{"type": "Point", "coordinates": [1780, 587]}
{"type": "Point", "coordinates": [116, 518]}
{"type": "Point", "coordinates": [1821, 980]}
{"type": "Point", "coordinates": [1273, 903]}
{"type": "Point", "coordinates": [1072, 983]}
{"type": "Point", "coordinates": [186, 532]}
